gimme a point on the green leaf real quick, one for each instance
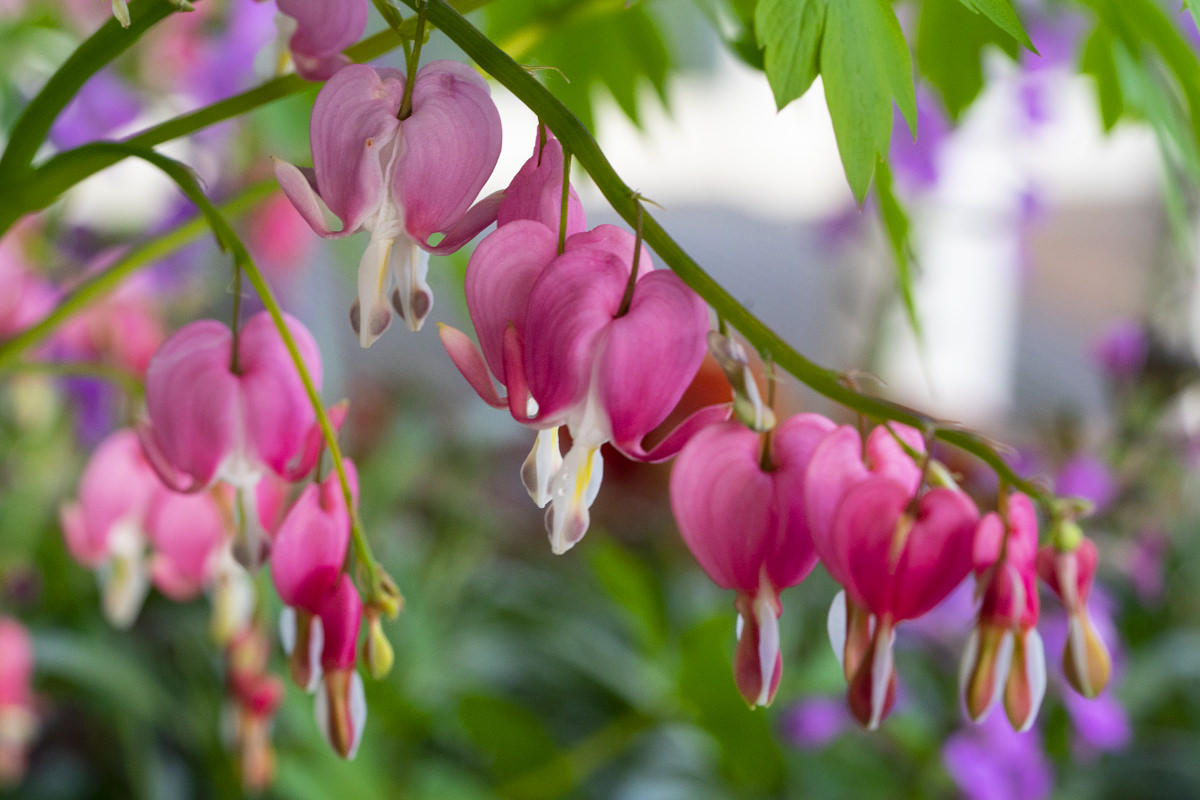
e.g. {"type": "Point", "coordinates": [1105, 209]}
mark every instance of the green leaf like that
{"type": "Point", "coordinates": [511, 735]}
{"type": "Point", "coordinates": [1002, 13]}
{"type": "Point", "coordinates": [790, 31]}
{"type": "Point", "coordinates": [631, 584]}
{"type": "Point", "coordinates": [949, 50]}
{"type": "Point", "coordinates": [896, 225]}
{"type": "Point", "coordinates": [566, 35]}
{"type": "Point", "coordinates": [865, 63]}
{"type": "Point", "coordinates": [1097, 61]}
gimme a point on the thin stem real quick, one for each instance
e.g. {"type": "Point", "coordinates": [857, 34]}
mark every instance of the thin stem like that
{"type": "Point", "coordinates": [100, 285]}
{"type": "Point", "coordinates": [36, 189]}
{"type": "Point", "coordinates": [624, 201]}
{"type": "Point", "coordinates": [414, 61]}
{"type": "Point", "coordinates": [565, 205]}
{"type": "Point", "coordinates": [228, 239]}
{"type": "Point", "coordinates": [236, 321]}
{"type": "Point", "coordinates": [627, 298]}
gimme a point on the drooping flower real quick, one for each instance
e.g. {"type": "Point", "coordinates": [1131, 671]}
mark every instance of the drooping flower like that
{"type": "Point", "coordinates": [319, 31]}
{"type": "Point", "coordinates": [896, 550]}
{"type": "Point", "coordinates": [18, 719]}
{"type": "Point", "coordinates": [1004, 656]}
{"type": "Point", "coordinates": [105, 529]}
{"type": "Point", "coordinates": [220, 415]}
{"type": "Point", "coordinates": [535, 192]}
{"type": "Point", "coordinates": [402, 180]}
{"type": "Point", "coordinates": [253, 696]}
{"type": "Point", "coordinates": [341, 705]}
{"type": "Point", "coordinates": [306, 563]}
{"type": "Point", "coordinates": [740, 509]}
{"type": "Point", "coordinates": [1069, 573]}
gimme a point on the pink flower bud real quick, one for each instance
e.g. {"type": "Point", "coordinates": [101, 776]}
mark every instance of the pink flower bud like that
{"type": "Point", "coordinates": [341, 706]}
{"type": "Point", "coordinates": [18, 721]}
{"type": "Point", "coordinates": [1086, 662]}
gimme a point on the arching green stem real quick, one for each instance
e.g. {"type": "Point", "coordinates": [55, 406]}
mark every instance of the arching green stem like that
{"type": "Point", "coordinates": [574, 136]}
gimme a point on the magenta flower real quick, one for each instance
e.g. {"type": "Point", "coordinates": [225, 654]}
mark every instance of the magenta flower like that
{"type": "Point", "coordinates": [403, 181]}
{"type": "Point", "coordinates": [1004, 654]}
{"type": "Point", "coordinates": [217, 415]}
{"type": "Point", "coordinates": [556, 332]}
{"type": "Point", "coordinates": [535, 192]}
{"type": "Point", "coordinates": [306, 563]}
{"type": "Point", "coordinates": [18, 720]}
{"type": "Point", "coordinates": [1086, 662]}
{"type": "Point", "coordinates": [739, 504]}
{"type": "Point", "coordinates": [896, 550]}
{"type": "Point", "coordinates": [320, 31]}
{"type": "Point", "coordinates": [341, 705]}
{"type": "Point", "coordinates": [187, 533]}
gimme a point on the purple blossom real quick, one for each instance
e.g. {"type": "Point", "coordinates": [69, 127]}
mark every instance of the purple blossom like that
{"type": "Point", "coordinates": [990, 761]}
{"type": "Point", "coordinates": [916, 160]}
{"type": "Point", "coordinates": [103, 105]}
{"type": "Point", "coordinates": [815, 722]}
{"type": "Point", "coordinates": [1120, 351]}
{"type": "Point", "coordinates": [1086, 476]}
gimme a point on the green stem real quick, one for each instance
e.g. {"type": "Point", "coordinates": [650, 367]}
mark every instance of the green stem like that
{"type": "Point", "coordinates": [103, 283]}
{"type": "Point", "coordinates": [33, 126]}
{"type": "Point", "coordinates": [32, 190]}
{"type": "Point", "coordinates": [414, 62]}
{"type": "Point", "coordinates": [575, 137]}
{"type": "Point", "coordinates": [229, 240]}
{"type": "Point", "coordinates": [565, 204]}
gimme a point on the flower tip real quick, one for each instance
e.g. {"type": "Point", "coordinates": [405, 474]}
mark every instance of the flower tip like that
{"type": "Point", "coordinates": [377, 322]}
{"type": "Point", "coordinates": [1086, 663]}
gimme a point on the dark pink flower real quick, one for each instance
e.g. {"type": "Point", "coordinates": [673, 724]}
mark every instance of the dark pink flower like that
{"type": "Point", "coordinates": [1004, 654]}
{"type": "Point", "coordinates": [897, 551]}
{"type": "Point", "coordinates": [18, 720]}
{"type": "Point", "coordinates": [744, 520]}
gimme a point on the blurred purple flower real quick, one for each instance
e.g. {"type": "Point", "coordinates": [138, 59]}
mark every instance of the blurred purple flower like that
{"type": "Point", "coordinates": [1086, 476]}
{"type": "Point", "coordinates": [915, 161]}
{"type": "Point", "coordinates": [1101, 724]}
{"type": "Point", "coordinates": [990, 761]}
{"type": "Point", "coordinates": [103, 105]}
{"type": "Point", "coordinates": [815, 722]}
{"type": "Point", "coordinates": [1121, 349]}
{"type": "Point", "coordinates": [1145, 565]}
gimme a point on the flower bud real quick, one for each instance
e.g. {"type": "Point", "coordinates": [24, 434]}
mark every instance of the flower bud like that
{"type": "Point", "coordinates": [377, 650]}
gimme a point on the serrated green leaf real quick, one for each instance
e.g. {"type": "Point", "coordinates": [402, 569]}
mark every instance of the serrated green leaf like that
{"type": "Point", "coordinates": [949, 51]}
{"type": "Point", "coordinates": [790, 31]}
{"type": "Point", "coordinates": [566, 35]}
{"type": "Point", "coordinates": [1097, 61]}
{"type": "Point", "coordinates": [1002, 13]}
{"type": "Point", "coordinates": [865, 64]}
{"type": "Point", "coordinates": [896, 225]}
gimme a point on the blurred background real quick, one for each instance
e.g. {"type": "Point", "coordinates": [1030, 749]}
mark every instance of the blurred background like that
{"type": "Point", "coordinates": [1057, 308]}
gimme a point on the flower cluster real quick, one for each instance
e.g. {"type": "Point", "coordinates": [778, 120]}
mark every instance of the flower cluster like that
{"type": "Point", "coordinates": [758, 508]}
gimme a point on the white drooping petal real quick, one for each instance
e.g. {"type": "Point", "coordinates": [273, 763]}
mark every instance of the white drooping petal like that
{"type": "Point", "coordinates": [768, 640]}
{"type": "Point", "coordinates": [357, 707]}
{"type": "Point", "coordinates": [881, 675]}
{"type": "Point", "coordinates": [371, 313]}
{"type": "Point", "coordinates": [572, 492]}
{"type": "Point", "coordinates": [288, 627]}
{"type": "Point", "coordinates": [541, 466]}
{"type": "Point", "coordinates": [123, 577]}
{"type": "Point", "coordinates": [412, 298]}
{"type": "Point", "coordinates": [1035, 673]}
{"type": "Point", "coordinates": [835, 623]}
{"type": "Point", "coordinates": [232, 595]}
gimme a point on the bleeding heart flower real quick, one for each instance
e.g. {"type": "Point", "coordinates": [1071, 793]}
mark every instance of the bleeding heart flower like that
{"type": "Point", "coordinates": [1069, 575]}
{"type": "Point", "coordinates": [320, 31]}
{"type": "Point", "coordinates": [341, 704]}
{"type": "Point", "coordinates": [897, 552]}
{"type": "Point", "coordinates": [216, 414]}
{"type": "Point", "coordinates": [254, 695]}
{"type": "Point", "coordinates": [1004, 654]}
{"type": "Point", "coordinates": [739, 504]}
{"type": "Point", "coordinates": [306, 564]}
{"type": "Point", "coordinates": [402, 180]}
